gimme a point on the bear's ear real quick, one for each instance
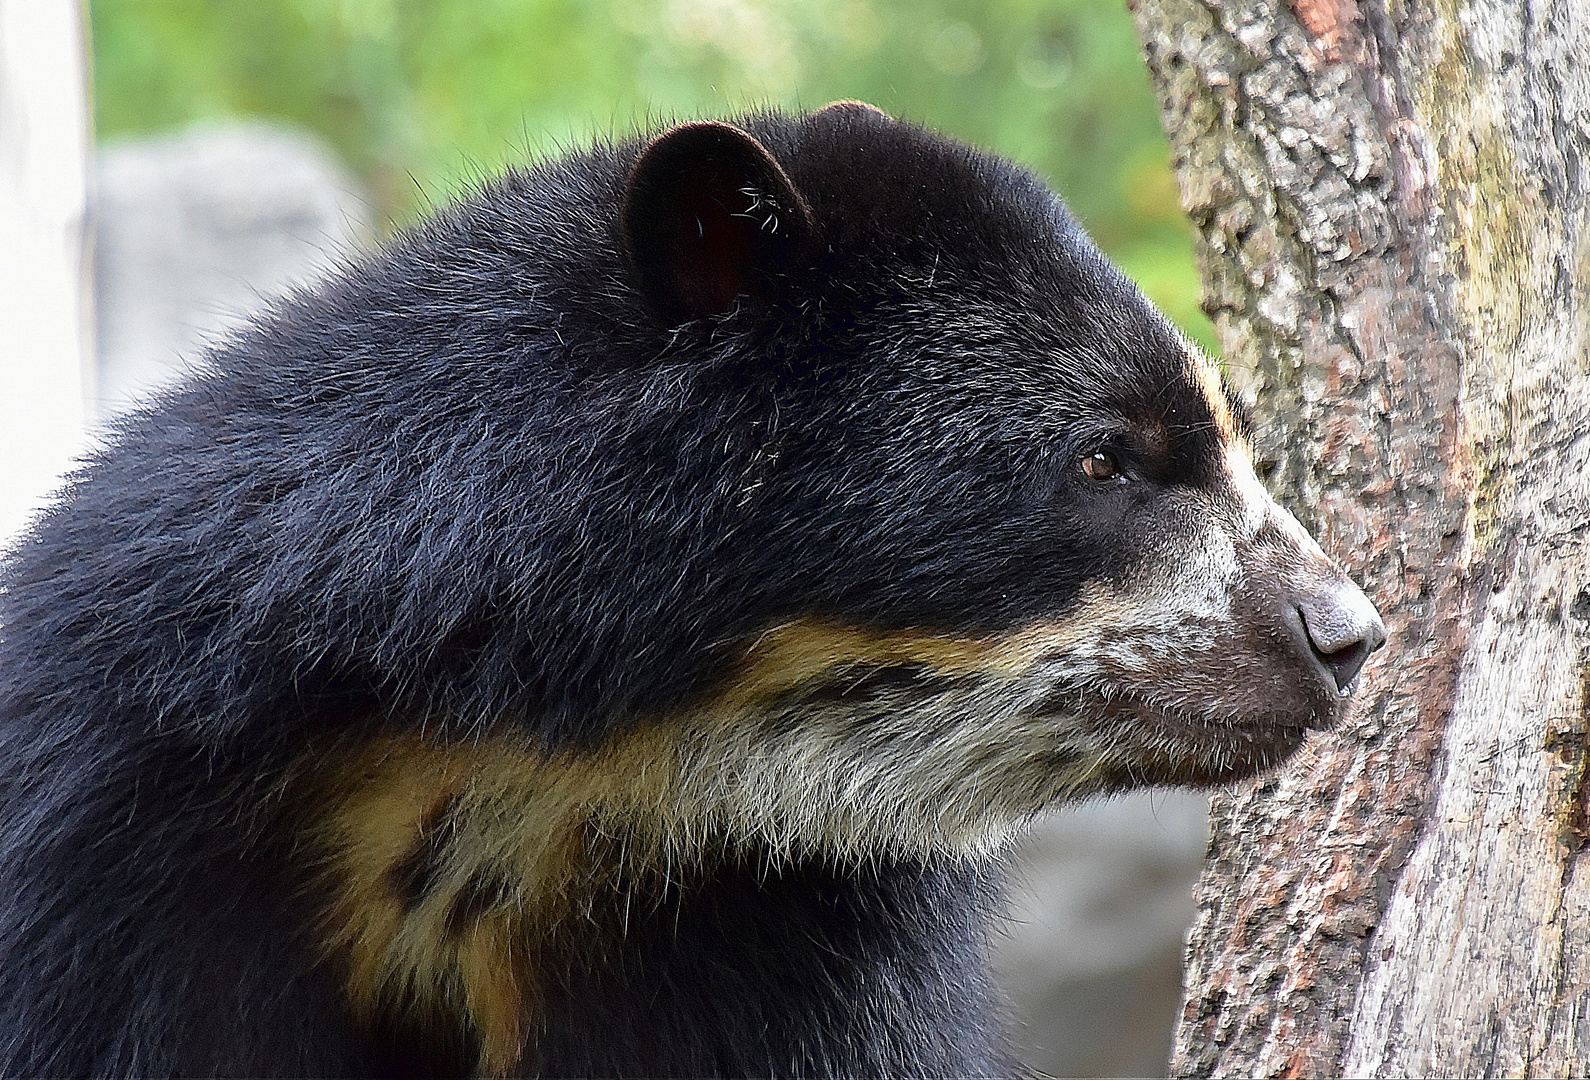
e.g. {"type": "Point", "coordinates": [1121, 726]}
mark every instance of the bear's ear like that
{"type": "Point", "coordinates": [850, 107]}
{"type": "Point", "coordinates": [708, 216]}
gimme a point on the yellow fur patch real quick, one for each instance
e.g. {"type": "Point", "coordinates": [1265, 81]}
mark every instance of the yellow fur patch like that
{"type": "Point", "coordinates": [1208, 380]}
{"type": "Point", "coordinates": [796, 653]}
{"type": "Point", "coordinates": [494, 833]}
{"type": "Point", "coordinates": [449, 862]}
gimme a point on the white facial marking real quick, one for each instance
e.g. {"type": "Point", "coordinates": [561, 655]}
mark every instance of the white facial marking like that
{"type": "Point", "coordinates": [1149, 669]}
{"type": "Point", "coordinates": [1259, 508]}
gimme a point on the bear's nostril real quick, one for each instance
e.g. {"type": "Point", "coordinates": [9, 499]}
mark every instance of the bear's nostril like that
{"type": "Point", "coordinates": [1343, 629]}
{"type": "Point", "coordinates": [1345, 664]}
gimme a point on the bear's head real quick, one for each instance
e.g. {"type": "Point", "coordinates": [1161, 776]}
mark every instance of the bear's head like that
{"type": "Point", "coordinates": [838, 495]}
{"type": "Point", "coordinates": [814, 490]}
{"type": "Point", "coordinates": [966, 524]}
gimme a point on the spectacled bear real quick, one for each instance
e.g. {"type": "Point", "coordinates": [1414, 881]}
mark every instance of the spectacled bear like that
{"type": "Point", "coordinates": [614, 628]}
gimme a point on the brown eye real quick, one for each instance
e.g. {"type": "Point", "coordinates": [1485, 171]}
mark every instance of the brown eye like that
{"type": "Point", "coordinates": [1101, 467]}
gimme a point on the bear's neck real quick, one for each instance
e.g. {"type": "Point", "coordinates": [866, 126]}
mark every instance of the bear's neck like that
{"type": "Point", "coordinates": [493, 914]}
{"type": "Point", "coordinates": [744, 971]}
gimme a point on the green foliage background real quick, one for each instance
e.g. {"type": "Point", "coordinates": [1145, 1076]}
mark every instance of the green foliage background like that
{"type": "Point", "coordinates": [424, 97]}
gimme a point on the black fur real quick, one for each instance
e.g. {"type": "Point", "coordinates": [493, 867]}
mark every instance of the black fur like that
{"type": "Point", "coordinates": [501, 473]}
{"type": "Point", "coordinates": [751, 974]}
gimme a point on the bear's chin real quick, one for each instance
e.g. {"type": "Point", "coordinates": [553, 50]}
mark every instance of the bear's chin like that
{"type": "Point", "coordinates": [1153, 744]}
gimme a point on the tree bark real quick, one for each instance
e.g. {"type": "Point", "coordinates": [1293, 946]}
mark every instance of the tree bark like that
{"type": "Point", "coordinates": [1392, 202]}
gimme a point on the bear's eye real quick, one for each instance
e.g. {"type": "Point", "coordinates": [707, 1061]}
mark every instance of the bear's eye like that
{"type": "Point", "coordinates": [1101, 467]}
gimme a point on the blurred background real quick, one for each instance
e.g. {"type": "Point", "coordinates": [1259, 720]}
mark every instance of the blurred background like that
{"type": "Point", "coordinates": [420, 98]}
{"type": "Point", "coordinates": [178, 162]}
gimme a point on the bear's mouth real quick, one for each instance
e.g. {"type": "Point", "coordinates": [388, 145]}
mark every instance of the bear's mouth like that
{"type": "Point", "coordinates": [1154, 742]}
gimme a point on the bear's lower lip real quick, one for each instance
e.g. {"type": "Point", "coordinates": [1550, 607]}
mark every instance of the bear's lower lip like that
{"type": "Point", "coordinates": [1160, 744]}
{"type": "Point", "coordinates": [1176, 750]}
{"type": "Point", "coordinates": [1198, 737]}
{"type": "Point", "coordinates": [1319, 714]}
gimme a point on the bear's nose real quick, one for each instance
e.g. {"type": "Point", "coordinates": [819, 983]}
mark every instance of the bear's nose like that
{"type": "Point", "coordinates": [1343, 628]}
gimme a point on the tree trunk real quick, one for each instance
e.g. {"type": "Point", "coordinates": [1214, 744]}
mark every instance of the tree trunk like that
{"type": "Point", "coordinates": [1391, 203]}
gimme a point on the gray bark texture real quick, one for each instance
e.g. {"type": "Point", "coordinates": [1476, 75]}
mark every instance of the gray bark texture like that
{"type": "Point", "coordinates": [1392, 202]}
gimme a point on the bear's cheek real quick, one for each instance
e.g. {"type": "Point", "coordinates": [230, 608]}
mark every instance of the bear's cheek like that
{"type": "Point", "coordinates": [1197, 667]}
